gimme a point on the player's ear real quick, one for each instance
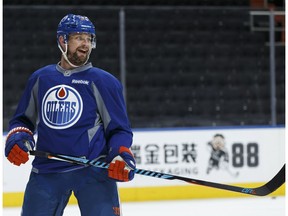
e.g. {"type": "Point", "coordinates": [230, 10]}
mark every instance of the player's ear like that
{"type": "Point", "coordinates": [61, 41]}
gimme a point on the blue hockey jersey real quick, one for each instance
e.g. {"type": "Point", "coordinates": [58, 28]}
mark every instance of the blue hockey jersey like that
{"type": "Point", "coordinates": [79, 112]}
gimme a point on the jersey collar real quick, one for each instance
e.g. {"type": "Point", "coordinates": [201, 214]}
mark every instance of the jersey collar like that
{"type": "Point", "coordinates": [75, 70]}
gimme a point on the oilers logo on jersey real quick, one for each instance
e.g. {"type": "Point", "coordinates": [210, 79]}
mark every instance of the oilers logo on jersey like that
{"type": "Point", "coordinates": [62, 107]}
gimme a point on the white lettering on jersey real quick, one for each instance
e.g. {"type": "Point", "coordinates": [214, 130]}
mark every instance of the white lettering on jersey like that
{"type": "Point", "coordinates": [86, 82]}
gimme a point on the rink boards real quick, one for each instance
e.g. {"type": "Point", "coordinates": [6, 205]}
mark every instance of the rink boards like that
{"type": "Point", "coordinates": [250, 156]}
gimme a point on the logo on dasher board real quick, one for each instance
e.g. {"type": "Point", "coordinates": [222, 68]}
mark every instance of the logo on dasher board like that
{"type": "Point", "coordinates": [62, 107]}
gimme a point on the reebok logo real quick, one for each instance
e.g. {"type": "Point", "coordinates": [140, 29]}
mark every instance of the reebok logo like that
{"type": "Point", "coordinates": [85, 82]}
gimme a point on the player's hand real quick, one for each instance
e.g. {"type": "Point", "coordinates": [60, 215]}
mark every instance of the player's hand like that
{"type": "Point", "coordinates": [122, 164]}
{"type": "Point", "coordinates": [19, 141]}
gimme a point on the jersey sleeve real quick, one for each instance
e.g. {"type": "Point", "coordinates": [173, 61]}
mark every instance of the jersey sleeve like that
{"type": "Point", "coordinates": [26, 112]}
{"type": "Point", "coordinates": [112, 109]}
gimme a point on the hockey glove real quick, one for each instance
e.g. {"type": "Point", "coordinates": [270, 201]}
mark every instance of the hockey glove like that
{"type": "Point", "coordinates": [122, 164]}
{"type": "Point", "coordinates": [19, 141]}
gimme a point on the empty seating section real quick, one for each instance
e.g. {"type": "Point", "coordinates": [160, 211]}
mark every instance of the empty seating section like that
{"type": "Point", "coordinates": [204, 65]}
{"type": "Point", "coordinates": [194, 66]}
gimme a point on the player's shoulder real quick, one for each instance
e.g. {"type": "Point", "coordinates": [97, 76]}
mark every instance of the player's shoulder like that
{"type": "Point", "coordinates": [101, 76]}
{"type": "Point", "coordinates": [99, 72]}
{"type": "Point", "coordinates": [46, 70]}
{"type": "Point", "coordinates": [43, 71]}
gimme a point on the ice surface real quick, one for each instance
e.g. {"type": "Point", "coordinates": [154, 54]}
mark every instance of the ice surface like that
{"type": "Point", "coordinates": [254, 206]}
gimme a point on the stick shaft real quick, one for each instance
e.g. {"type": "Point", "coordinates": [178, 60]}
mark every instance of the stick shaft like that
{"type": "Point", "coordinates": [263, 190]}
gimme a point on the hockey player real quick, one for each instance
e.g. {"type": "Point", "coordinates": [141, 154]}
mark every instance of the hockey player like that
{"type": "Point", "coordinates": [77, 110]}
{"type": "Point", "coordinates": [218, 153]}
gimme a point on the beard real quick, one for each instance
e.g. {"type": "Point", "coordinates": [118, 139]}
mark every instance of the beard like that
{"type": "Point", "coordinates": [77, 60]}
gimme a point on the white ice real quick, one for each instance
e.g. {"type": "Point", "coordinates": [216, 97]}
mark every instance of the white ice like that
{"type": "Point", "coordinates": [256, 206]}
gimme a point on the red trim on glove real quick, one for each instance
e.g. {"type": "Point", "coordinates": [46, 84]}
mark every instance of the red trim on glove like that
{"type": "Point", "coordinates": [19, 129]}
{"type": "Point", "coordinates": [125, 149]}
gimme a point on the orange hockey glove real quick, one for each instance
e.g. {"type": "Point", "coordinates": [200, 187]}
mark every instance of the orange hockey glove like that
{"type": "Point", "coordinates": [19, 141]}
{"type": "Point", "coordinates": [122, 164]}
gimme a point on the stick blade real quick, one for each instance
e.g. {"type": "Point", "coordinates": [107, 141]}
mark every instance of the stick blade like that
{"type": "Point", "coordinates": [273, 184]}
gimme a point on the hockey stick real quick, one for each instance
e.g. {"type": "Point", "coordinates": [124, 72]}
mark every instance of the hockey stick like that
{"type": "Point", "coordinates": [263, 190]}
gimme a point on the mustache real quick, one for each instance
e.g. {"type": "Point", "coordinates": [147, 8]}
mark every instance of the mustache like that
{"type": "Point", "coordinates": [83, 49]}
